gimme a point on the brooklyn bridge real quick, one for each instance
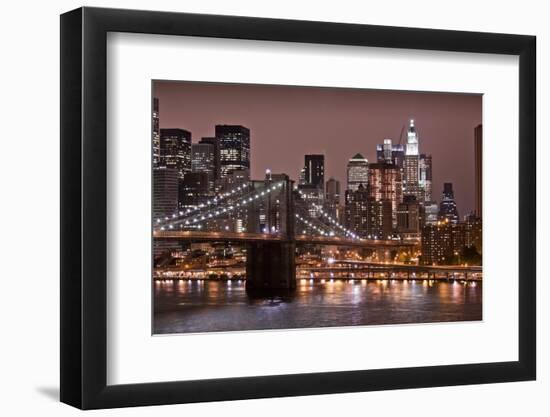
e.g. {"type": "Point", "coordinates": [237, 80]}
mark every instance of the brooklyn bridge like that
{"type": "Point", "coordinates": [279, 219]}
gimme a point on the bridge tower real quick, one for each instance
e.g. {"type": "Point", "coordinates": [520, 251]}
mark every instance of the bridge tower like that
{"type": "Point", "coordinates": [270, 265]}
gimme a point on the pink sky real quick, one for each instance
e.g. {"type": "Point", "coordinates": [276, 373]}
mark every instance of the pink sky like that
{"type": "Point", "coordinates": [287, 122]}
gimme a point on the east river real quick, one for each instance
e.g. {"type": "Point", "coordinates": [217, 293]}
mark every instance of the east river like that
{"type": "Point", "coordinates": [209, 306]}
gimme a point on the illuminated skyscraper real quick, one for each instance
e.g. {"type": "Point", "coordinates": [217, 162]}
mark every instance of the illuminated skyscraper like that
{"type": "Point", "coordinates": [314, 167]}
{"type": "Point", "coordinates": [165, 192]}
{"type": "Point", "coordinates": [425, 176]}
{"type": "Point", "coordinates": [234, 143]}
{"type": "Point", "coordinates": [203, 160]}
{"type": "Point", "coordinates": [156, 133]}
{"type": "Point", "coordinates": [358, 172]}
{"type": "Point", "coordinates": [332, 198]}
{"type": "Point", "coordinates": [411, 185]}
{"type": "Point", "coordinates": [389, 153]}
{"type": "Point", "coordinates": [175, 150]}
{"type": "Point", "coordinates": [447, 206]}
{"type": "Point", "coordinates": [408, 218]}
{"type": "Point", "coordinates": [216, 146]}
{"type": "Point", "coordinates": [385, 184]}
{"type": "Point", "coordinates": [193, 190]}
{"type": "Point", "coordinates": [478, 154]}
{"type": "Point", "coordinates": [357, 210]}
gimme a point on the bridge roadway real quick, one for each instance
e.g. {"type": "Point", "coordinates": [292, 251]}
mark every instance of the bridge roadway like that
{"type": "Point", "coordinates": [393, 267]}
{"type": "Point", "coordinates": [272, 237]}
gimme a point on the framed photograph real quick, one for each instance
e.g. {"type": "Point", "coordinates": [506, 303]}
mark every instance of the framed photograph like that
{"type": "Point", "coordinates": [258, 208]}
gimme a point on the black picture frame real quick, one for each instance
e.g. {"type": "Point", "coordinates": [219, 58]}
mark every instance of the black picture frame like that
{"type": "Point", "coordinates": [84, 207]}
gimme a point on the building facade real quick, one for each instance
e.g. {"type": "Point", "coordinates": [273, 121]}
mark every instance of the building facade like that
{"type": "Point", "coordinates": [165, 192]}
{"type": "Point", "coordinates": [203, 160]}
{"type": "Point", "coordinates": [357, 172]}
{"type": "Point", "coordinates": [409, 218]}
{"type": "Point", "coordinates": [478, 155]}
{"type": "Point", "coordinates": [357, 210]}
{"type": "Point", "coordinates": [385, 185]}
{"type": "Point", "coordinates": [447, 206]}
{"type": "Point", "coordinates": [175, 150]}
{"type": "Point", "coordinates": [234, 148]}
{"type": "Point", "coordinates": [314, 170]}
{"type": "Point", "coordinates": [156, 133]}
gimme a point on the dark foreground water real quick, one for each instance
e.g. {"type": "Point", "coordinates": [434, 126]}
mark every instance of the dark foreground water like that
{"type": "Point", "coordinates": [208, 306]}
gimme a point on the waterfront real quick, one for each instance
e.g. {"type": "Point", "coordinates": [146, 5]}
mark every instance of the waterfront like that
{"type": "Point", "coordinates": [182, 306]}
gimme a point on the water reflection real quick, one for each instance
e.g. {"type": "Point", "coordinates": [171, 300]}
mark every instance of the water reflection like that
{"type": "Point", "coordinates": [206, 306]}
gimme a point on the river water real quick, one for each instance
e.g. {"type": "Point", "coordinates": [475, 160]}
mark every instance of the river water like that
{"type": "Point", "coordinates": [210, 306]}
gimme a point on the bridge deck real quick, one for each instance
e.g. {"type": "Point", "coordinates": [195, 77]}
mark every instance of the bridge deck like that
{"type": "Point", "coordinates": [272, 237]}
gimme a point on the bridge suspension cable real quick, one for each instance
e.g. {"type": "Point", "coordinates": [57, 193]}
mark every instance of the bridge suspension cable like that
{"type": "Point", "coordinates": [331, 220]}
{"type": "Point", "coordinates": [213, 212]}
{"type": "Point", "coordinates": [216, 200]}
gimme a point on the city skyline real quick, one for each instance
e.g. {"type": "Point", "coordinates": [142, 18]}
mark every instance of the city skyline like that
{"type": "Point", "coordinates": [197, 108]}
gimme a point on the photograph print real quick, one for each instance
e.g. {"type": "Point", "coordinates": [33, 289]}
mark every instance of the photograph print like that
{"type": "Point", "coordinates": [290, 207]}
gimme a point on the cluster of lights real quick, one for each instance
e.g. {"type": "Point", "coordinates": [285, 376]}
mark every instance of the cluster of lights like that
{"type": "Point", "coordinates": [215, 212]}
{"type": "Point", "coordinates": [212, 202]}
{"type": "Point", "coordinates": [317, 229]}
{"type": "Point", "coordinates": [333, 221]}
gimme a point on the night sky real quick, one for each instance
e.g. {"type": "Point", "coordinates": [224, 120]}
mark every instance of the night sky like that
{"type": "Point", "coordinates": [287, 122]}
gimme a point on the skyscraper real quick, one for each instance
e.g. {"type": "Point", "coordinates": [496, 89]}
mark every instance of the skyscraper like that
{"type": "Point", "coordinates": [408, 217]}
{"type": "Point", "coordinates": [379, 222]}
{"type": "Point", "coordinates": [478, 154]}
{"type": "Point", "coordinates": [357, 172]}
{"type": "Point", "coordinates": [437, 243]}
{"type": "Point", "coordinates": [175, 150]}
{"type": "Point", "coordinates": [216, 146]}
{"type": "Point", "coordinates": [389, 153]}
{"type": "Point", "coordinates": [447, 206]}
{"type": "Point", "coordinates": [425, 176]}
{"type": "Point", "coordinates": [411, 185]}
{"type": "Point", "coordinates": [417, 168]}
{"type": "Point", "coordinates": [357, 210]}
{"type": "Point", "coordinates": [193, 190]}
{"type": "Point", "coordinates": [234, 143]}
{"type": "Point", "coordinates": [332, 197]}
{"type": "Point", "coordinates": [165, 192]}
{"type": "Point", "coordinates": [156, 133]}
{"type": "Point", "coordinates": [203, 160]}
{"type": "Point", "coordinates": [385, 185]}
{"type": "Point", "coordinates": [314, 166]}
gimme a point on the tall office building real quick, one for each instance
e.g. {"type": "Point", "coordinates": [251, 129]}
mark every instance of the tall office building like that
{"type": "Point", "coordinates": [437, 243]}
{"type": "Point", "coordinates": [332, 198]}
{"type": "Point", "coordinates": [313, 198]}
{"type": "Point", "coordinates": [357, 172]}
{"type": "Point", "coordinates": [235, 178]}
{"type": "Point", "coordinates": [430, 213]}
{"type": "Point", "coordinates": [156, 133]}
{"type": "Point", "coordinates": [357, 210]}
{"type": "Point", "coordinates": [314, 166]}
{"type": "Point", "coordinates": [478, 154]}
{"type": "Point", "coordinates": [411, 185]}
{"type": "Point", "coordinates": [216, 146]}
{"type": "Point", "coordinates": [203, 160]}
{"type": "Point", "coordinates": [473, 232]}
{"type": "Point", "coordinates": [193, 190]}
{"type": "Point", "coordinates": [447, 206]}
{"type": "Point", "coordinates": [408, 217]}
{"type": "Point", "coordinates": [425, 176]}
{"type": "Point", "coordinates": [390, 154]}
{"type": "Point", "coordinates": [175, 150]}
{"type": "Point", "coordinates": [379, 221]}
{"type": "Point", "coordinates": [165, 192]}
{"type": "Point", "coordinates": [385, 184]}
{"type": "Point", "coordinates": [234, 145]}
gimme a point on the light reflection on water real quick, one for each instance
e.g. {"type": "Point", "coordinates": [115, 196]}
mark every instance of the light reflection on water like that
{"type": "Point", "coordinates": [206, 306]}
